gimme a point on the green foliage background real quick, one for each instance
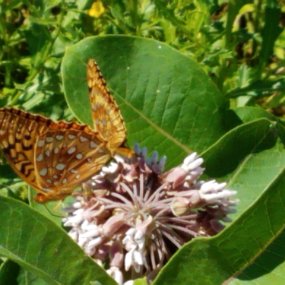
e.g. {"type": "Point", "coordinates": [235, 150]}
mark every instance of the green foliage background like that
{"type": "Point", "coordinates": [226, 56]}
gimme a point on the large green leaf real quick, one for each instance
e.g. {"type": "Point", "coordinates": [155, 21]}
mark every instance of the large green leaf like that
{"type": "Point", "coordinates": [28, 278]}
{"type": "Point", "coordinates": [43, 248]}
{"type": "Point", "coordinates": [216, 260]}
{"type": "Point", "coordinates": [248, 159]}
{"type": "Point", "coordinates": [259, 179]}
{"type": "Point", "coordinates": [268, 268]}
{"type": "Point", "coordinates": [229, 151]}
{"type": "Point", "coordinates": [167, 101]}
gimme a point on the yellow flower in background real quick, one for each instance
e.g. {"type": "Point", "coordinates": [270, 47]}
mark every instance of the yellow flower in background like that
{"type": "Point", "coordinates": [97, 9]}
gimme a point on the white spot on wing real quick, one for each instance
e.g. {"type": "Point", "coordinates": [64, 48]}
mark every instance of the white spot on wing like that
{"type": "Point", "coordinates": [47, 189]}
{"type": "Point", "coordinates": [41, 143]}
{"type": "Point", "coordinates": [40, 157]}
{"type": "Point", "coordinates": [49, 139]}
{"type": "Point", "coordinates": [43, 172]}
{"type": "Point", "coordinates": [93, 144]}
{"type": "Point", "coordinates": [59, 137]}
{"type": "Point", "coordinates": [71, 150]}
{"type": "Point", "coordinates": [60, 166]}
{"type": "Point", "coordinates": [79, 155]}
{"type": "Point", "coordinates": [83, 139]}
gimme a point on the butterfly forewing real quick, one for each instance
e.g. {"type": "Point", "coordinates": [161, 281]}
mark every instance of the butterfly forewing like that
{"type": "Point", "coordinates": [107, 119]}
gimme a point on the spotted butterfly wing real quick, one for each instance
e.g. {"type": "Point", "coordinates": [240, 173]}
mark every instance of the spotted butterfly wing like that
{"type": "Point", "coordinates": [18, 135]}
{"type": "Point", "coordinates": [66, 159]}
{"type": "Point", "coordinates": [107, 118]}
{"type": "Point", "coordinates": [54, 157]}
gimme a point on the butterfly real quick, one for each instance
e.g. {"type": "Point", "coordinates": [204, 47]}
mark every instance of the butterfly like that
{"type": "Point", "coordinates": [55, 157]}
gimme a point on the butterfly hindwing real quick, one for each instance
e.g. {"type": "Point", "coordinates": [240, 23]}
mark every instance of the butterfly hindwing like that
{"type": "Point", "coordinates": [18, 133]}
{"type": "Point", "coordinates": [66, 158]}
{"type": "Point", "coordinates": [52, 157]}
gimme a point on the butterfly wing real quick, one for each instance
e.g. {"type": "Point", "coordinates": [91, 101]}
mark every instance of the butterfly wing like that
{"type": "Point", "coordinates": [107, 118]}
{"type": "Point", "coordinates": [52, 157]}
{"type": "Point", "coordinates": [18, 134]}
{"type": "Point", "coordinates": [66, 158]}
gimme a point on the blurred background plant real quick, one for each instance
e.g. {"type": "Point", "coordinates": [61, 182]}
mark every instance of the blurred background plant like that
{"type": "Point", "coordinates": [240, 44]}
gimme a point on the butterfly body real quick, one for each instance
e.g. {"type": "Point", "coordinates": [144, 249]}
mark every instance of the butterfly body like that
{"type": "Point", "coordinates": [55, 157]}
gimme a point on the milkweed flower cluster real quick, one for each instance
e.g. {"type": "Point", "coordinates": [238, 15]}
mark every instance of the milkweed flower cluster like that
{"type": "Point", "coordinates": [133, 216]}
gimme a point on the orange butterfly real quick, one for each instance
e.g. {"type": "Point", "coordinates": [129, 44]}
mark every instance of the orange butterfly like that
{"type": "Point", "coordinates": [55, 157]}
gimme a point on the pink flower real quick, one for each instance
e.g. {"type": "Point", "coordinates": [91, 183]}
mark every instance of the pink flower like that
{"type": "Point", "coordinates": [132, 216]}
